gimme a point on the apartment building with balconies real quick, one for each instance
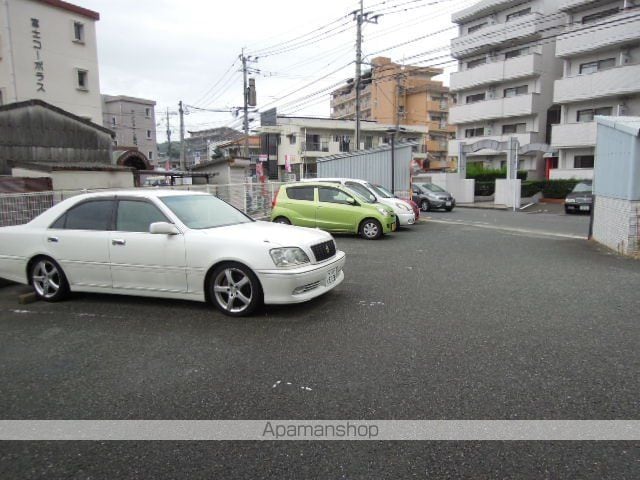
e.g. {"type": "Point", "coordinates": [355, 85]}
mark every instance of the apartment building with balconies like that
{"type": "Point", "coordinates": [393, 93]}
{"type": "Point", "coordinates": [48, 52]}
{"type": "Point", "coordinates": [600, 51]}
{"type": "Point", "coordinates": [504, 84]}
{"type": "Point", "coordinates": [291, 146]}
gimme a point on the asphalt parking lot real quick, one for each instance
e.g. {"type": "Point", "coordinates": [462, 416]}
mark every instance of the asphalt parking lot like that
{"type": "Point", "coordinates": [474, 316]}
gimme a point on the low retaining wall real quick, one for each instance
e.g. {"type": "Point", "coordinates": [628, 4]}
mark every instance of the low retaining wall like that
{"type": "Point", "coordinates": [616, 224]}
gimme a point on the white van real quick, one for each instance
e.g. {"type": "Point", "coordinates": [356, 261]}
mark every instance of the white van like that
{"type": "Point", "coordinates": [402, 209]}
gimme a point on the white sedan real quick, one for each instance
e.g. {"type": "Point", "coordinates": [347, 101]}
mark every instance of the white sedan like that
{"type": "Point", "coordinates": [169, 244]}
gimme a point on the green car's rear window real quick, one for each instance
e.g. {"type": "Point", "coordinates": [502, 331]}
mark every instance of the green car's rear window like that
{"type": "Point", "coordinates": [300, 193]}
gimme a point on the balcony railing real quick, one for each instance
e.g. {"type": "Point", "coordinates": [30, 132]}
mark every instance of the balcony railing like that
{"type": "Point", "coordinates": [618, 29]}
{"type": "Point", "coordinates": [616, 81]}
{"type": "Point", "coordinates": [574, 135]}
{"type": "Point", "coordinates": [518, 30]}
{"type": "Point", "coordinates": [315, 146]}
{"type": "Point", "coordinates": [518, 106]}
{"type": "Point", "coordinates": [497, 72]}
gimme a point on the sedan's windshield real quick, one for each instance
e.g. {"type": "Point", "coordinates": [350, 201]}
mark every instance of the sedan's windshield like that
{"type": "Point", "coordinates": [583, 187]}
{"type": "Point", "coordinates": [204, 211]}
{"type": "Point", "coordinates": [380, 190]}
{"type": "Point", "coordinates": [365, 194]}
{"type": "Point", "coordinates": [432, 188]}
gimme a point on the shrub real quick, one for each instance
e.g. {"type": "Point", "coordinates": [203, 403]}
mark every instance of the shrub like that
{"type": "Point", "coordinates": [549, 188]}
{"type": "Point", "coordinates": [480, 174]}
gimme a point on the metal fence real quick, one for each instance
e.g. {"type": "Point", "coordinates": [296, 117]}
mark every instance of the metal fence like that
{"type": "Point", "coordinates": [252, 198]}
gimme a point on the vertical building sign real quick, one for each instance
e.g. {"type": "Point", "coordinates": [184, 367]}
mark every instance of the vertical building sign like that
{"type": "Point", "coordinates": [38, 64]}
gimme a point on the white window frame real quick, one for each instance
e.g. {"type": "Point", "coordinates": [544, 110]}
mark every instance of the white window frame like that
{"type": "Point", "coordinates": [80, 40]}
{"type": "Point", "coordinates": [516, 91]}
{"type": "Point", "coordinates": [78, 72]}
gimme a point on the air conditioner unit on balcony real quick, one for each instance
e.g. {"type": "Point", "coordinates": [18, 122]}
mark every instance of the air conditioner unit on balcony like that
{"type": "Point", "coordinates": [493, 19]}
{"type": "Point", "coordinates": [622, 110]}
{"type": "Point", "coordinates": [625, 57]}
{"type": "Point", "coordinates": [491, 93]}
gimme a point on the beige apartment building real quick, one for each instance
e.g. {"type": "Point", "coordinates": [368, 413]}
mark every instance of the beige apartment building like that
{"type": "Point", "coordinates": [406, 95]}
{"type": "Point", "coordinates": [48, 52]}
{"type": "Point", "coordinates": [134, 122]}
{"type": "Point", "coordinates": [504, 85]}
{"type": "Point", "coordinates": [600, 51]}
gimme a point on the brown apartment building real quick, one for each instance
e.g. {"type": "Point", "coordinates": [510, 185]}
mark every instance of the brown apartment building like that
{"type": "Point", "coordinates": [406, 95]}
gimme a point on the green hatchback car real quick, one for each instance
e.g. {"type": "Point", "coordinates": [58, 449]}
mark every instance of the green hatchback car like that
{"type": "Point", "coordinates": [331, 207]}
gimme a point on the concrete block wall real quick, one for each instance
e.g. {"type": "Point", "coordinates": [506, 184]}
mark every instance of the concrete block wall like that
{"type": "Point", "coordinates": [617, 224]}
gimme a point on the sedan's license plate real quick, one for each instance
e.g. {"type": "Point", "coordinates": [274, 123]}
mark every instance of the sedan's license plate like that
{"type": "Point", "coordinates": [331, 276]}
{"type": "Point", "coordinates": [584, 208]}
{"type": "Point", "coordinates": [448, 204]}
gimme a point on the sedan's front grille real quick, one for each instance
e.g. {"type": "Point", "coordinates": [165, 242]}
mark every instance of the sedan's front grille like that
{"type": "Point", "coordinates": [324, 250]}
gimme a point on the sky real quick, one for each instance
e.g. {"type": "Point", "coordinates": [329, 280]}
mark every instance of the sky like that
{"type": "Point", "coordinates": [170, 50]}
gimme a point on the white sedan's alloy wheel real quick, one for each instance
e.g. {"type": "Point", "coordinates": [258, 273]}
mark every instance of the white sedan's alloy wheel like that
{"type": "Point", "coordinates": [48, 280]}
{"type": "Point", "coordinates": [235, 291]}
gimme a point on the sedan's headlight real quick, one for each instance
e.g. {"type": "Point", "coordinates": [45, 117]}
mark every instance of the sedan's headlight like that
{"type": "Point", "coordinates": [383, 212]}
{"type": "Point", "coordinates": [570, 200]}
{"type": "Point", "coordinates": [403, 206]}
{"type": "Point", "coordinates": [288, 257]}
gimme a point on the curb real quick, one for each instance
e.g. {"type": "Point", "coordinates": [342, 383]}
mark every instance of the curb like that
{"type": "Point", "coordinates": [480, 207]}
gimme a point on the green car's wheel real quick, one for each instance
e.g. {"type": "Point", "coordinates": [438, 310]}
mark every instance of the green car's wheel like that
{"type": "Point", "coordinates": [370, 229]}
{"type": "Point", "coordinates": [282, 220]}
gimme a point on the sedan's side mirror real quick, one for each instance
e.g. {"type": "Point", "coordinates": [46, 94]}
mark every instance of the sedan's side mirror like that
{"type": "Point", "coordinates": [163, 228]}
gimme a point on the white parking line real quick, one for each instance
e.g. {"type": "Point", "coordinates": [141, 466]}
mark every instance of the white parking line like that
{"type": "Point", "coordinates": [523, 231]}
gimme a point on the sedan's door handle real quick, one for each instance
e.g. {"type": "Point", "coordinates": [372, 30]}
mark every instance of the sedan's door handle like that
{"type": "Point", "coordinates": [52, 239]}
{"type": "Point", "coordinates": [118, 242]}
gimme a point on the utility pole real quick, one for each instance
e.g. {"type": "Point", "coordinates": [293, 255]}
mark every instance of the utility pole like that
{"type": "Point", "coordinates": [168, 137]}
{"type": "Point", "coordinates": [360, 17]}
{"type": "Point", "coordinates": [245, 95]}
{"type": "Point", "coordinates": [183, 162]}
{"type": "Point", "coordinates": [394, 137]}
{"type": "Point", "coordinates": [249, 96]}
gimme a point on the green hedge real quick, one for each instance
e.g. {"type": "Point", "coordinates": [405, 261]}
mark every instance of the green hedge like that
{"type": "Point", "coordinates": [549, 188]}
{"type": "Point", "coordinates": [480, 174]}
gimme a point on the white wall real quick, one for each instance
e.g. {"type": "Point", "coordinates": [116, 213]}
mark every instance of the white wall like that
{"type": "Point", "coordinates": [571, 174]}
{"type": "Point", "coordinates": [78, 180]}
{"type": "Point", "coordinates": [508, 193]}
{"type": "Point", "coordinates": [461, 189]}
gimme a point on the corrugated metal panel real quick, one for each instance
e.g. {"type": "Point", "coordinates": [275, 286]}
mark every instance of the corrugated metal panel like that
{"type": "Point", "coordinates": [371, 165]}
{"type": "Point", "coordinates": [617, 168]}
